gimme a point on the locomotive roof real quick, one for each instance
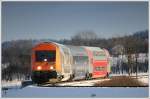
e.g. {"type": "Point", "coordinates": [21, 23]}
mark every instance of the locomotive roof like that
{"type": "Point", "coordinates": [75, 50]}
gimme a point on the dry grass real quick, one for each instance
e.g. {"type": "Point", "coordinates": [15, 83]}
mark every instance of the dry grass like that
{"type": "Point", "coordinates": [120, 81]}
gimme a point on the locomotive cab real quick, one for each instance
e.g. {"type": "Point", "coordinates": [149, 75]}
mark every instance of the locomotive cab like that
{"type": "Point", "coordinates": [44, 62]}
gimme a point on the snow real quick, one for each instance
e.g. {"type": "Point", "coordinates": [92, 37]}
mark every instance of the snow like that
{"type": "Point", "coordinates": [142, 77]}
{"type": "Point", "coordinates": [144, 80]}
{"type": "Point", "coordinates": [75, 92]}
{"type": "Point", "coordinates": [9, 84]}
{"type": "Point", "coordinates": [13, 90]}
{"type": "Point", "coordinates": [132, 74]}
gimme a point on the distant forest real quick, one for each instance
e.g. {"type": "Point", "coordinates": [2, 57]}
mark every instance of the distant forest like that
{"type": "Point", "coordinates": [16, 55]}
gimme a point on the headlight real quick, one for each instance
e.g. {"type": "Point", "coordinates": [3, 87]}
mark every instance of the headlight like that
{"type": "Point", "coordinates": [45, 60]}
{"type": "Point", "coordinates": [39, 68]}
{"type": "Point", "coordinates": [51, 67]}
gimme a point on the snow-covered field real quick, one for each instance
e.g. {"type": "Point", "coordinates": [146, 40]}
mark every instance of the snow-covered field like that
{"type": "Point", "coordinates": [75, 92]}
{"type": "Point", "coordinates": [13, 90]}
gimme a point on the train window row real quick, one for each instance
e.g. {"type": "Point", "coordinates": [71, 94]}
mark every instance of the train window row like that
{"type": "Point", "coordinates": [100, 68]}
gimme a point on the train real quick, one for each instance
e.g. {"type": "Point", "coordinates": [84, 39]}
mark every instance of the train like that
{"type": "Point", "coordinates": [54, 61]}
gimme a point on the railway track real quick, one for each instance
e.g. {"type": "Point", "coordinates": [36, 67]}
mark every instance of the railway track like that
{"type": "Point", "coordinates": [76, 83]}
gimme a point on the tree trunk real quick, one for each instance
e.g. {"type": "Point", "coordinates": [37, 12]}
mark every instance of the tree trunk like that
{"type": "Point", "coordinates": [129, 64]}
{"type": "Point", "coordinates": [136, 65]}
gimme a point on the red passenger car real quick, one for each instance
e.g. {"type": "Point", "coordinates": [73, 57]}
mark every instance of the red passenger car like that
{"type": "Point", "coordinates": [98, 61]}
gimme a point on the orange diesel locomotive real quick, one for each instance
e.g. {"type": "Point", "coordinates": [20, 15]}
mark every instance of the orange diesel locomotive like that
{"type": "Point", "coordinates": [51, 60]}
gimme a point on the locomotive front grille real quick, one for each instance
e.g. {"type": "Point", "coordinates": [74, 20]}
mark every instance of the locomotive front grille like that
{"type": "Point", "coordinates": [43, 76]}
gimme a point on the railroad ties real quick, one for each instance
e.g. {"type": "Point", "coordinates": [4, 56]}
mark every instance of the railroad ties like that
{"type": "Point", "coordinates": [78, 83]}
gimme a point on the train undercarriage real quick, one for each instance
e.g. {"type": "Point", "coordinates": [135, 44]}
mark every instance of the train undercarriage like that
{"type": "Point", "coordinates": [40, 77]}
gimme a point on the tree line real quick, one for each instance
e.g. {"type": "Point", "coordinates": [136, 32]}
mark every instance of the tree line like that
{"type": "Point", "coordinates": [16, 55]}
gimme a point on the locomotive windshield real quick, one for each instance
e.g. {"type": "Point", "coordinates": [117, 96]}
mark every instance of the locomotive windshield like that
{"type": "Point", "coordinates": [49, 56]}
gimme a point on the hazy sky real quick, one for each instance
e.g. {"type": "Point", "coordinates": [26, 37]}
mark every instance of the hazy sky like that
{"type": "Point", "coordinates": [59, 20]}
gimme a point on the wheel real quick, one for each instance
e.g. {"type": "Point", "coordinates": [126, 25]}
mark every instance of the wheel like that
{"type": "Point", "coordinates": [60, 78]}
{"type": "Point", "coordinates": [71, 77]}
{"type": "Point", "coordinates": [107, 76]}
{"type": "Point", "coordinates": [88, 76]}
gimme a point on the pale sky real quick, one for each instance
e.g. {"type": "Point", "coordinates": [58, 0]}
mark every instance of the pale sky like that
{"type": "Point", "coordinates": [62, 20]}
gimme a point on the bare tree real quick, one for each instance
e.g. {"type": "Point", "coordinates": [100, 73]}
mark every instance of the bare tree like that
{"type": "Point", "coordinates": [119, 50]}
{"type": "Point", "coordinates": [87, 35]}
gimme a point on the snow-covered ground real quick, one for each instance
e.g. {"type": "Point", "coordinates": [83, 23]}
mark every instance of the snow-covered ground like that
{"type": "Point", "coordinates": [142, 77]}
{"type": "Point", "coordinates": [133, 74]}
{"type": "Point", "coordinates": [10, 84]}
{"type": "Point", "coordinates": [75, 92]}
{"type": "Point", "coordinates": [144, 80]}
{"type": "Point", "coordinates": [32, 91]}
